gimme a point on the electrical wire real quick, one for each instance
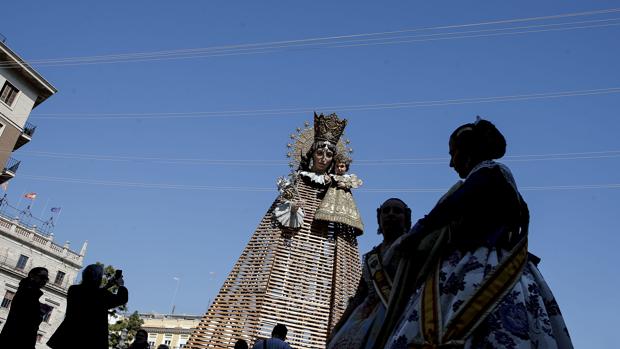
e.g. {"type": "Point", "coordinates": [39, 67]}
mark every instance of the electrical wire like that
{"type": "Point", "coordinates": [304, 110]}
{"type": "Point", "coordinates": [361, 162]}
{"type": "Point", "coordinates": [263, 189]}
{"type": "Point", "coordinates": [363, 39]}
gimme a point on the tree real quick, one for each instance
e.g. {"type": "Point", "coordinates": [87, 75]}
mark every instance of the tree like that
{"type": "Point", "coordinates": [130, 325]}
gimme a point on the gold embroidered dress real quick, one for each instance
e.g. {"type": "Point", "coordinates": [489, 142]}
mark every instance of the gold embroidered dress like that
{"type": "Point", "coordinates": [338, 206]}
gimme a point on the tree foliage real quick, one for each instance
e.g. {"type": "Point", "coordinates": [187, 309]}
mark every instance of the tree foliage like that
{"type": "Point", "coordinates": [128, 325]}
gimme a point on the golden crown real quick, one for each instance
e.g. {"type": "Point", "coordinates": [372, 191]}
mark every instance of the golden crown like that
{"type": "Point", "coordinates": [328, 128]}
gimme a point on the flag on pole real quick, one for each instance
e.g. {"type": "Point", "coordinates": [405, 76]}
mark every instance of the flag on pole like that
{"type": "Point", "coordinates": [31, 196]}
{"type": "Point", "coordinates": [55, 209]}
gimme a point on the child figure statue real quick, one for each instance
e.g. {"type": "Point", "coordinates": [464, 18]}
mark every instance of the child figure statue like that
{"type": "Point", "coordinates": [338, 205]}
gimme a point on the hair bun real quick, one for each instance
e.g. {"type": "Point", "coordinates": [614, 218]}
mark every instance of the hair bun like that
{"type": "Point", "coordinates": [491, 142]}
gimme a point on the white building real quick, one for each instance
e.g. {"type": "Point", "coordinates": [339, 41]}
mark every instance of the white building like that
{"type": "Point", "coordinates": [21, 249]}
{"type": "Point", "coordinates": [24, 246]}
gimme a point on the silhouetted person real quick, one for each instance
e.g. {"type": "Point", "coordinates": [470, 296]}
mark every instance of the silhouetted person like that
{"type": "Point", "coordinates": [140, 342]}
{"type": "Point", "coordinates": [241, 344]}
{"type": "Point", "coordinates": [86, 320]}
{"type": "Point", "coordinates": [277, 340]}
{"type": "Point", "coordinates": [26, 314]}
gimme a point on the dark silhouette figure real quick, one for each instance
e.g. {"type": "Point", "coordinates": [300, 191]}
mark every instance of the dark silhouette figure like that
{"type": "Point", "coordinates": [241, 344]}
{"type": "Point", "coordinates": [277, 340]}
{"type": "Point", "coordinates": [26, 314]}
{"type": "Point", "coordinates": [86, 320]}
{"type": "Point", "coordinates": [140, 342]}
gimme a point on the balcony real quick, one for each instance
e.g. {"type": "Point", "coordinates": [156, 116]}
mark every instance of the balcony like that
{"type": "Point", "coordinates": [25, 136]}
{"type": "Point", "coordinates": [9, 170]}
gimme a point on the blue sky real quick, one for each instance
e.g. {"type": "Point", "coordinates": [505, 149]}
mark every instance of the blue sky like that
{"type": "Point", "coordinates": [188, 230]}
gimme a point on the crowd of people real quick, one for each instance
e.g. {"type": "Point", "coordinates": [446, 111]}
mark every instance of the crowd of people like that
{"type": "Point", "coordinates": [461, 277]}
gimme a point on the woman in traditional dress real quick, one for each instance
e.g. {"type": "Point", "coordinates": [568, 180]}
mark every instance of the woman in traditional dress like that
{"type": "Point", "coordinates": [479, 287]}
{"type": "Point", "coordinates": [367, 308]}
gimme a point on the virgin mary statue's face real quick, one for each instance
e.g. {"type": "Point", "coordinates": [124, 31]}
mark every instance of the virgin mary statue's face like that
{"type": "Point", "coordinates": [321, 159]}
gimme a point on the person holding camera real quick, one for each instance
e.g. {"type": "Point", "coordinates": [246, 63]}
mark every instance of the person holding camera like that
{"type": "Point", "coordinates": [86, 320]}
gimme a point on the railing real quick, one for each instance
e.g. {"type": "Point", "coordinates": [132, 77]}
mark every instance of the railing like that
{"type": "Point", "coordinates": [11, 165]}
{"type": "Point", "coordinates": [2, 38]}
{"type": "Point", "coordinates": [14, 228]}
{"type": "Point", "coordinates": [29, 129]}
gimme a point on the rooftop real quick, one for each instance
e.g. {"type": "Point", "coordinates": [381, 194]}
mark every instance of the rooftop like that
{"type": "Point", "coordinates": [11, 60]}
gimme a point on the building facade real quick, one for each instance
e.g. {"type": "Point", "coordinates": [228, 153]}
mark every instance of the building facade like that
{"type": "Point", "coordinates": [170, 329]}
{"type": "Point", "coordinates": [22, 245]}
{"type": "Point", "coordinates": [21, 90]}
{"type": "Point", "coordinates": [21, 249]}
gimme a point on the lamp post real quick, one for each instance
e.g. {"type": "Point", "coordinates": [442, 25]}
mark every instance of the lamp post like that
{"type": "Point", "coordinates": [174, 295]}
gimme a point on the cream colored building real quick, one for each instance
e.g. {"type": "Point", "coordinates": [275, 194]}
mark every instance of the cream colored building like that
{"type": "Point", "coordinates": [21, 90]}
{"type": "Point", "coordinates": [172, 330]}
{"type": "Point", "coordinates": [21, 249]}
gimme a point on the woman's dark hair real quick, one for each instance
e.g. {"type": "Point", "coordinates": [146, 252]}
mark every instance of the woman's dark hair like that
{"type": "Point", "coordinates": [407, 215]}
{"type": "Point", "coordinates": [481, 140]}
{"type": "Point", "coordinates": [306, 160]}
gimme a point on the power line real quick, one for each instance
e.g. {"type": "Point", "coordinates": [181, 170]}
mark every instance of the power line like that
{"type": "Point", "coordinates": [263, 189]}
{"type": "Point", "coordinates": [363, 162]}
{"type": "Point", "coordinates": [299, 110]}
{"type": "Point", "coordinates": [386, 37]}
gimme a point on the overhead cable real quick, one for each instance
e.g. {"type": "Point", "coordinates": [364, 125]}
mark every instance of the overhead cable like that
{"type": "Point", "coordinates": [265, 189]}
{"type": "Point", "coordinates": [291, 111]}
{"type": "Point", "coordinates": [362, 39]}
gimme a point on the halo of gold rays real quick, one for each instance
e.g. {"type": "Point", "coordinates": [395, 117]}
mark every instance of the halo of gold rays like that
{"type": "Point", "coordinates": [302, 140]}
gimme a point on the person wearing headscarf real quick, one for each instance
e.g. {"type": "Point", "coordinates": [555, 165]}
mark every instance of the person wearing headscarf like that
{"type": "Point", "coordinates": [473, 283]}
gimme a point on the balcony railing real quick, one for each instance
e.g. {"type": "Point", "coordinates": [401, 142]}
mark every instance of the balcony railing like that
{"type": "Point", "coordinates": [11, 165]}
{"type": "Point", "coordinates": [29, 129]}
{"type": "Point", "coordinates": [25, 136]}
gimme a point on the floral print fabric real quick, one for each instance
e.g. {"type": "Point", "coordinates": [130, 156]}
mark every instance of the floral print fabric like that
{"type": "Point", "coordinates": [526, 317]}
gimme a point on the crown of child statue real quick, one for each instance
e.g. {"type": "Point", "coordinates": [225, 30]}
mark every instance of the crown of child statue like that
{"type": "Point", "coordinates": [328, 128]}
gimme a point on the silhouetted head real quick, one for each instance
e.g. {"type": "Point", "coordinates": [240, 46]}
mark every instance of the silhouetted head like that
{"type": "Point", "coordinates": [141, 336]}
{"type": "Point", "coordinates": [279, 331]}
{"type": "Point", "coordinates": [92, 275]}
{"type": "Point", "coordinates": [241, 344]}
{"type": "Point", "coordinates": [473, 143]}
{"type": "Point", "coordinates": [39, 276]}
{"type": "Point", "coordinates": [393, 218]}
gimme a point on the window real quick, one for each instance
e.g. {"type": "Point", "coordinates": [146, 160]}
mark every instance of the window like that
{"type": "Point", "coordinates": [8, 298]}
{"type": "Point", "coordinates": [60, 276]}
{"type": "Point", "coordinates": [48, 315]}
{"type": "Point", "coordinates": [21, 262]}
{"type": "Point", "coordinates": [8, 93]}
{"type": "Point", "coordinates": [167, 339]}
